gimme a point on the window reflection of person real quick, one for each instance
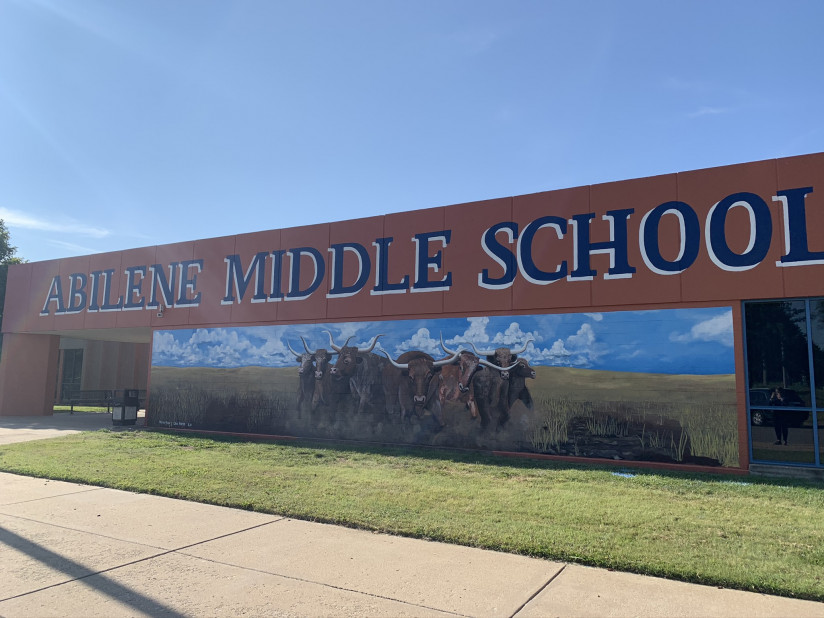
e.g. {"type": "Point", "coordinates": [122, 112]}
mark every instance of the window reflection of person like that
{"type": "Point", "coordinates": [779, 418]}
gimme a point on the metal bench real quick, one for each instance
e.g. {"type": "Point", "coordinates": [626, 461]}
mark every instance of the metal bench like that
{"type": "Point", "coordinates": [103, 398]}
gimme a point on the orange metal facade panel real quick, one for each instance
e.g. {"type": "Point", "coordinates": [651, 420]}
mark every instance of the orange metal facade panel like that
{"type": "Point", "coordinates": [550, 253]}
{"type": "Point", "coordinates": [363, 303]}
{"type": "Point", "coordinates": [211, 281]}
{"type": "Point", "coordinates": [255, 266]}
{"type": "Point", "coordinates": [42, 276]}
{"type": "Point", "coordinates": [146, 256]}
{"type": "Point", "coordinates": [702, 190]}
{"type": "Point", "coordinates": [74, 273]}
{"type": "Point", "coordinates": [467, 259]}
{"type": "Point", "coordinates": [99, 263]}
{"type": "Point", "coordinates": [17, 313]}
{"type": "Point", "coordinates": [642, 195]}
{"type": "Point", "coordinates": [402, 255]}
{"type": "Point", "coordinates": [182, 254]}
{"type": "Point", "coordinates": [303, 283]}
{"type": "Point", "coordinates": [799, 173]}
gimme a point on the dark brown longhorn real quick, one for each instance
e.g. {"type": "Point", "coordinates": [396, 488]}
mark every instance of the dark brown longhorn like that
{"type": "Point", "coordinates": [422, 387]}
{"type": "Point", "coordinates": [492, 392]}
{"type": "Point", "coordinates": [358, 371]}
{"type": "Point", "coordinates": [306, 370]}
{"type": "Point", "coordinates": [456, 380]}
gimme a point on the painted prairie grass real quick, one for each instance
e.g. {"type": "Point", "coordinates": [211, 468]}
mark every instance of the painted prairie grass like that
{"type": "Point", "coordinates": [206, 409]}
{"type": "Point", "coordinates": [754, 535]}
{"type": "Point", "coordinates": [702, 430]}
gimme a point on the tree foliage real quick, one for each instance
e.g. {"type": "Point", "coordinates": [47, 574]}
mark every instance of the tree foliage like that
{"type": "Point", "coordinates": [8, 256]}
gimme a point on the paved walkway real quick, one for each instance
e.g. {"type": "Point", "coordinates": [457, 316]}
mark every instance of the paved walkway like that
{"type": "Point", "coordinates": [25, 428]}
{"type": "Point", "coordinates": [77, 550]}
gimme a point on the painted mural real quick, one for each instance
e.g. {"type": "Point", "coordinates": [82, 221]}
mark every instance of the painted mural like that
{"type": "Point", "coordinates": [624, 385]}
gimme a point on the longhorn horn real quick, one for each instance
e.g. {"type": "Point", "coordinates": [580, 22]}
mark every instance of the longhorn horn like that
{"type": "Point", "coordinates": [306, 347]}
{"type": "Point", "coordinates": [336, 348]}
{"type": "Point", "coordinates": [523, 349]}
{"type": "Point", "coordinates": [447, 350]}
{"type": "Point", "coordinates": [371, 346]}
{"type": "Point", "coordinates": [332, 341]}
{"type": "Point", "coordinates": [398, 365]}
{"type": "Point", "coordinates": [297, 356]}
{"type": "Point", "coordinates": [481, 352]}
{"type": "Point", "coordinates": [448, 361]}
{"type": "Point", "coordinates": [483, 361]}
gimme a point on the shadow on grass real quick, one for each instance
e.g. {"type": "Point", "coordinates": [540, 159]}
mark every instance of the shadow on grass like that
{"type": "Point", "coordinates": [625, 469]}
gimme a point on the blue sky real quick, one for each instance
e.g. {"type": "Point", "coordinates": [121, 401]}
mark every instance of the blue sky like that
{"type": "Point", "coordinates": [675, 341]}
{"type": "Point", "coordinates": [133, 123]}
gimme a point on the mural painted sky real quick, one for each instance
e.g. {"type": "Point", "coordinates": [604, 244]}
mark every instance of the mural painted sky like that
{"type": "Point", "coordinates": [673, 341]}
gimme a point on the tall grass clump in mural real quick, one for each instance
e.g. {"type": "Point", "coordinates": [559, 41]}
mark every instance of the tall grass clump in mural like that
{"type": "Point", "coordinates": [551, 422]}
{"type": "Point", "coordinates": [712, 432]}
{"type": "Point", "coordinates": [703, 434]}
{"type": "Point", "coordinates": [196, 408]}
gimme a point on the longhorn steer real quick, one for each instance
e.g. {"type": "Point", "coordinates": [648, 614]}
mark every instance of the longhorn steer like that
{"type": "Point", "coordinates": [492, 388]}
{"type": "Point", "coordinates": [360, 370]}
{"type": "Point", "coordinates": [306, 375]}
{"type": "Point", "coordinates": [456, 379]}
{"type": "Point", "coordinates": [421, 390]}
{"type": "Point", "coordinates": [517, 383]}
{"type": "Point", "coordinates": [323, 377]}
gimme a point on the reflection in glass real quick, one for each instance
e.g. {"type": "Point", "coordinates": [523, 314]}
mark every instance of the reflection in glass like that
{"type": "Point", "coordinates": [777, 355]}
{"type": "Point", "coordinates": [817, 325]}
{"type": "Point", "coordinates": [783, 436]}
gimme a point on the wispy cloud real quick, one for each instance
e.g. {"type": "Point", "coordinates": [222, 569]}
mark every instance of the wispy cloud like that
{"type": "Point", "coordinates": [14, 218]}
{"type": "Point", "coordinates": [73, 247]}
{"type": "Point", "coordinates": [676, 83]}
{"type": "Point", "coordinates": [709, 111]}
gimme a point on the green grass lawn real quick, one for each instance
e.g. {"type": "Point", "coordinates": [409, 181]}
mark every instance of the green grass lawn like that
{"type": "Point", "coordinates": [729, 531]}
{"type": "Point", "coordinates": [98, 409]}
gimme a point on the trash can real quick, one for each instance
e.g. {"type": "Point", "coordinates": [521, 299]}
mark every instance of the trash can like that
{"type": "Point", "coordinates": [124, 412]}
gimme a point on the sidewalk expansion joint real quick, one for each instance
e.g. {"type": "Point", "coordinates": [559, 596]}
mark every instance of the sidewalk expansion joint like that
{"type": "Point", "coordinates": [121, 540]}
{"type": "Point", "coordinates": [327, 585]}
{"type": "Point", "coordinates": [132, 562]}
{"type": "Point", "coordinates": [70, 493]}
{"type": "Point", "coordinates": [539, 591]}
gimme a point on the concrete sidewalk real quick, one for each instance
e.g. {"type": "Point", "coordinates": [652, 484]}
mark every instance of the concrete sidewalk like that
{"type": "Point", "coordinates": [77, 550]}
{"type": "Point", "coordinates": [25, 428]}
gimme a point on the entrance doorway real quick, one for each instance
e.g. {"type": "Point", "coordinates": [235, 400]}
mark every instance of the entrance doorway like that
{"type": "Point", "coordinates": [72, 373]}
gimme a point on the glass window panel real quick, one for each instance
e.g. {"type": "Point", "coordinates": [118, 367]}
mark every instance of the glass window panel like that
{"type": "Point", "coordinates": [781, 435]}
{"type": "Point", "coordinates": [817, 325]}
{"type": "Point", "coordinates": [820, 415]}
{"type": "Point", "coordinates": [777, 355]}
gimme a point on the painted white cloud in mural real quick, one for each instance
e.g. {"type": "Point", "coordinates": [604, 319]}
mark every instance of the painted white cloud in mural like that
{"type": "Point", "coordinates": [223, 347]}
{"type": "Point", "coordinates": [717, 328]}
{"type": "Point", "coordinates": [421, 340]}
{"type": "Point", "coordinates": [687, 341]}
{"type": "Point", "coordinates": [514, 336]}
{"type": "Point", "coordinates": [475, 332]}
{"type": "Point", "coordinates": [580, 349]}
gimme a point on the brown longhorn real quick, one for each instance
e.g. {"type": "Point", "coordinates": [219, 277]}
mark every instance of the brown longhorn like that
{"type": "Point", "coordinates": [440, 363]}
{"type": "Point", "coordinates": [487, 363]}
{"type": "Point", "coordinates": [337, 348]}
